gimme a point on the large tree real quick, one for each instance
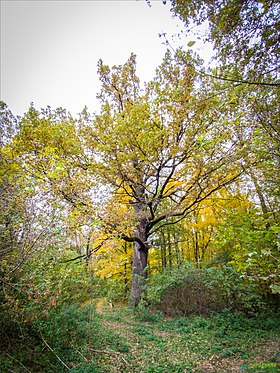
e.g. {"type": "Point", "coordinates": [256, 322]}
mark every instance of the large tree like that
{"type": "Point", "coordinates": [147, 160]}
{"type": "Point", "coordinates": [165, 149]}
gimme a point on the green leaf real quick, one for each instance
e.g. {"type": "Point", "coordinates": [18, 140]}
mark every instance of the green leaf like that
{"type": "Point", "coordinates": [191, 43]}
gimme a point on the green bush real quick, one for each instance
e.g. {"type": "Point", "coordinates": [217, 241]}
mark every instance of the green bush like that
{"type": "Point", "coordinates": [191, 291]}
{"type": "Point", "coordinates": [65, 333]}
{"type": "Point", "coordinates": [68, 335]}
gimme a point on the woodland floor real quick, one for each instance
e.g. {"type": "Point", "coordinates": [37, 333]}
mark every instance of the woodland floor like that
{"type": "Point", "coordinates": [152, 343]}
{"type": "Point", "coordinates": [122, 341]}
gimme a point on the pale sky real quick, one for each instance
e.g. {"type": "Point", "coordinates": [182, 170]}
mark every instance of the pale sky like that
{"type": "Point", "coordinates": [50, 49]}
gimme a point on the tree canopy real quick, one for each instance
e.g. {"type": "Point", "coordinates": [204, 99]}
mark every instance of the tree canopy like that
{"type": "Point", "coordinates": [244, 33]}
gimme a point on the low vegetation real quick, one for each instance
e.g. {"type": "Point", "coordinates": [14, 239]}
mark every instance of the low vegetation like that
{"type": "Point", "coordinates": [81, 340]}
{"type": "Point", "coordinates": [191, 321]}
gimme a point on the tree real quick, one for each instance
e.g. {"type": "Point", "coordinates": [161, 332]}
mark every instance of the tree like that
{"type": "Point", "coordinates": [250, 233]}
{"type": "Point", "coordinates": [9, 124]}
{"type": "Point", "coordinates": [253, 247]}
{"type": "Point", "coordinates": [20, 231]}
{"type": "Point", "coordinates": [255, 123]}
{"type": "Point", "coordinates": [245, 33]}
{"type": "Point", "coordinates": [246, 42]}
{"type": "Point", "coordinates": [146, 161]}
{"type": "Point", "coordinates": [162, 148]}
{"type": "Point", "coordinates": [35, 231]}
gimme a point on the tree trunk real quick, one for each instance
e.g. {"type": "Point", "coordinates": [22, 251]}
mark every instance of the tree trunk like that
{"type": "Point", "coordinates": [125, 271]}
{"type": "Point", "coordinates": [140, 257]}
{"type": "Point", "coordinates": [163, 252]}
{"type": "Point", "coordinates": [258, 188]}
{"type": "Point", "coordinates": [196, 250]}
{"type": "Point", "coordinates": [139, 274]}
{"type": "Point", "coordinates": [169, 248]}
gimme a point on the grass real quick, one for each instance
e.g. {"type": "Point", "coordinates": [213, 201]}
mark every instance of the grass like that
{"type": "Point", "coordinates": [124, 341]}
{"type": "Point", "coordinates": [222, 343]}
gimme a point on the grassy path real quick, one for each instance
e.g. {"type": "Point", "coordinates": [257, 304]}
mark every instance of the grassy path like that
{"type": "Point", "coordinates": [151, 343]}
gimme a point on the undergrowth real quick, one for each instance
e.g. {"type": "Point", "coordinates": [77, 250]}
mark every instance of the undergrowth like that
{"type": "Point", "coordinates": [63, 340]}
{"type": "Point", "coordinates": [79, 340]}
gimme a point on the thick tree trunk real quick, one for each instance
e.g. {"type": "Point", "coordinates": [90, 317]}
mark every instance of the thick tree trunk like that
{"type": "Point", "coordinates": [140, 257]}
{"type": "Point", "coordinates": [139, 274]}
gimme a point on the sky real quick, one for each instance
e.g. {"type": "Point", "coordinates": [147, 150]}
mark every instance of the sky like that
{"type": "Point", "coordinates": [50, 49]}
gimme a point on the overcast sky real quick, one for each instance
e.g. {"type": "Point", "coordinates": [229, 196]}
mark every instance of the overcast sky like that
{"type": "Point", "coordinates": [50, 49]}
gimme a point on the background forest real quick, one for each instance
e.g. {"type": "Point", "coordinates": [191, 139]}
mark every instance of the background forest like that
{"type": "Point", "coordinates": [166, 200]}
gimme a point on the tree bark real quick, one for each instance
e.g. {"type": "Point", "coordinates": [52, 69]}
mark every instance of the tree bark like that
{"type": "Point", "coordinates": [139, 274]}
{"type": "Point", "coordinates": [140, 256]}
{"type": "Point", "coordinates": [169, 249]}
{"type": "Point", "coordinates": [196, 249]}
{"type": "Point", "coordinates": [163, 252]}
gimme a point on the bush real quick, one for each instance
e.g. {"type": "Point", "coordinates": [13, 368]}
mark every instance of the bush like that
{"type": "Point", "coordinates": [67, 335]}
{"type": "Point", "coordinates": [64, 332]}
{"type": "Point", "coordinates": [190, 291]}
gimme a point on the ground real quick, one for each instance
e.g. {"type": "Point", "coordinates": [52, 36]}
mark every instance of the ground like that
{"type": "Point", "coordinates": [223, 343]}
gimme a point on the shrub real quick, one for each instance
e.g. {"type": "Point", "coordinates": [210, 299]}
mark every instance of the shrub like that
{"type": "Point", "coordinates": [64, 332]}
{"type": "Point", "coordinates": [190, 291]}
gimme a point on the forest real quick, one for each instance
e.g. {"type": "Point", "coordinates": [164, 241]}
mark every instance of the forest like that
{"type": "Point", "coordinates": [146, 237]}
